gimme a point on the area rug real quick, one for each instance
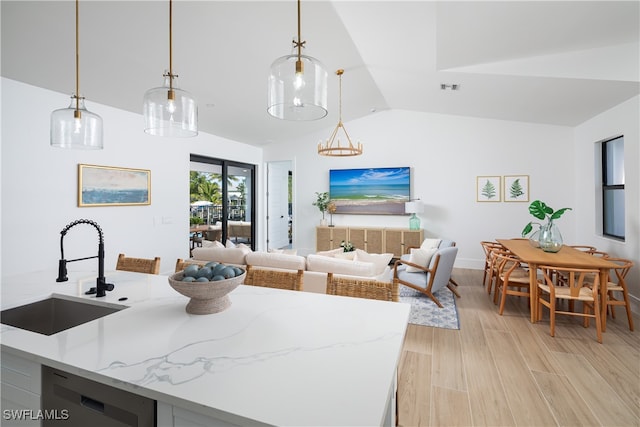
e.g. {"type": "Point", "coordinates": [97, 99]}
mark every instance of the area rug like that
{"type": "Point", "coordinates": [425, 312]}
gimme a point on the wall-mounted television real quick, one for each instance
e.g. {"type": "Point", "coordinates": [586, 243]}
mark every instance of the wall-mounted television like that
{"type": "Point", "coordinates": [373, 191]}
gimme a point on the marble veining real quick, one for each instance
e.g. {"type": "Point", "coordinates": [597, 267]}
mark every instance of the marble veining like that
{"type": "Point", "coordinates": [312, 351]}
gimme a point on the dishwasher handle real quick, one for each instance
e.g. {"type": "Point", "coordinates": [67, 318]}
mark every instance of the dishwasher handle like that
{"type": "Point", "coordinates": [90, 403]}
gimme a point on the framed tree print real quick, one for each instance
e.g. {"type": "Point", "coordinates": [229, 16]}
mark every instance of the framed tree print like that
{"type": "Point", "coordinates": [516, 188]}
{"type": "Point", "coordinates": [488, 189]}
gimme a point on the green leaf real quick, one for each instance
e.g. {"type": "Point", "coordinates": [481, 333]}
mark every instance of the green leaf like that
{"type": "Point", "coordinates": [527, 229]}
{"type": "Point", "coordinates": [539, 209]}
{"type": "Point", "coordinates": [557, 214]}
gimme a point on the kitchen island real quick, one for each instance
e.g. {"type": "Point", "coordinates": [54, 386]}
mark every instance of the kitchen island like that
{"type": "Point", "coordinates": [275, 357]}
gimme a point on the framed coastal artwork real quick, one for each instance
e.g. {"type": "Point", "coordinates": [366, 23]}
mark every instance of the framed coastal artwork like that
{"type": "Point", "coordinates": [488, 188]}
{"type": "Point", "coordinates": [373, 191]}
{"type": "Point", "coordinates": [516, 188]}
{"type": "Point", "coordinates": [113, 186]}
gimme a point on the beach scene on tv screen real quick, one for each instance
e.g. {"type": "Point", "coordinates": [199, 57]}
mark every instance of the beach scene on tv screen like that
{"type": "Point", "coordinates": [382, 191]}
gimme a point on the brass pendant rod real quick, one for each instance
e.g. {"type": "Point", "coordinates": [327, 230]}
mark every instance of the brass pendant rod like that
{"type": "Point", "coordinates": [170, 44]}
{"type": "Point", "coordinates": [339, 73]}
{"type": "Point", "coordinates": [76, 113]}
{"type": "Point", "coordinates": [299, 32]}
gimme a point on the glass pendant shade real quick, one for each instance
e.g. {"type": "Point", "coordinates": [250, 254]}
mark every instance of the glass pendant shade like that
{"type": "Point", "coordinates": [76, 128]}
{"type": "Point", "coordinates": [170, 111]}
{"type": "Point", "coordinates": [297, 91]}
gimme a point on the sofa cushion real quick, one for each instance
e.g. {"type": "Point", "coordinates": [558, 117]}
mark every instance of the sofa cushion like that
{"type": "Point", "coordinates": [331, 253]}
{"type": "Point", "coordinates": [223, 255]}
{"type": "Point", "coordinates": [275, 260]}
{"type": "Point", "coordinates": [381, 261]}
{"type": "Point", "coordinates": [346, 255]}
{"type": "Point", "coordinates": [340, 266]}
{"type": "Point", "coordinates": [421, 257]}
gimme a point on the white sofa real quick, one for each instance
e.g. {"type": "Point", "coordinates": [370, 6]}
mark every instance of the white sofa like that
{"type": "Point", "coordinates": [358, 264]}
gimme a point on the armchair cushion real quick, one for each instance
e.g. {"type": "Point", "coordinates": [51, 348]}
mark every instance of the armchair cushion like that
{"type": "Point", "coordinates": [430, 243]}
{"type": "Point", "coordinates": [421, 257]}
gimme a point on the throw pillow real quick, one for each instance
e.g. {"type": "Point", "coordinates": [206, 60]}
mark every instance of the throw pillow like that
{"type": "Point", "coordinates": [217, 244]}
{"type": "Point", "coordinates": [381, 261]}
{"type": "Point", "coordinates": [230, 244]}
{"type": "Point", "coordinates": [331, 253]}
{"type": "Point", "coordinates": [430, 243]}
{"type": "Point", "coordinates": [345, 255]}
{"type": "Point", "coordinates": [245, 248]}
{"type": "Point", "coordinates": [420, 257]}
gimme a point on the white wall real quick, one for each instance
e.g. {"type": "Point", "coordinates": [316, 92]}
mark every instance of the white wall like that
{"type": "Point", "coordinates": [39, 186]}
{"type": "Point", "coordinates": [620, 120]}
{"type": "Point", "coordinates": [445, 154]}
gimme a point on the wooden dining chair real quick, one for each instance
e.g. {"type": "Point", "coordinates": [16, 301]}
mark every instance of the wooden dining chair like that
{"type": "Point", "coordinates": [582, 286]}
{"type": "Point", "coordinates": [138, 265]}
{"type": "Point", "coordinates": [291, 280]}
{"type": "Point", "coordinates": [617, 286]}
{"type": "Point", "coordinates": [584, 248]}
{"type": "Point", "coordinates": [371, 289]}
{"type": "Point", "coordinates": [601, 254]}
{"type": "Point", "coordinates": [511, 279]}
{"type": "Point", "coordinates": [488, 247]}
{"type": "Point", "coordinates": [181, 264]}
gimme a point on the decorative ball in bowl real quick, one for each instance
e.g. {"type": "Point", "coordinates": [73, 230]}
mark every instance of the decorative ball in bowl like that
{"type": "Point", "coordinates": [207, 286]}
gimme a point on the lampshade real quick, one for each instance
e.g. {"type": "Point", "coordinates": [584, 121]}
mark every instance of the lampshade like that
{"type": "Point", "coordinates": [297, 85]}
{"type": "Point", "coordinates": [168, 110]}
{"type": "Point", "coordinates": [75, 126]}
{"type": "Point", "coordinates": [413, 207]}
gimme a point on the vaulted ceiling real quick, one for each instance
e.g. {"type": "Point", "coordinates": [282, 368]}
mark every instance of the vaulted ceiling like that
{"type": "Point", "coordinates": [550, 62]}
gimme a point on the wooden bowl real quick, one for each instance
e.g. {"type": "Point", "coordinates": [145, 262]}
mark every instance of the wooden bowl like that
{"type": "Point", "coordinates": [206, 297]}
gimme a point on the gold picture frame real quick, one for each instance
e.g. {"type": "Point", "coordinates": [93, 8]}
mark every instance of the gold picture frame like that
{"type": "Point", "coordinates": [113, 186]}
{"type": "Point", "coordinates": [516, 188]}
{"type": "Point", "coordinates": [488, 189]}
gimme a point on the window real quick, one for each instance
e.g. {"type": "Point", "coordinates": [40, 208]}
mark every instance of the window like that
{"type": "Point", "coordinates": [222, 199]}
{"type": "Point", "coordinates": [613, 188]}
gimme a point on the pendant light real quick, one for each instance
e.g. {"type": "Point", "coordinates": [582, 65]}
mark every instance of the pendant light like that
{"type": "Point", "coordinates": [168, 110]}
{"type": "Point", "coordinates": [333, 148]}
{"type": "Point", "coordinates": [75, 126]}
{"type": "Point", "coordinates": [297, 85]}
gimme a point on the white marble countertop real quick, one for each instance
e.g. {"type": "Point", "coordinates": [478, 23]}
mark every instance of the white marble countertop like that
{"type": "Point", "coordinates": [274, 357]}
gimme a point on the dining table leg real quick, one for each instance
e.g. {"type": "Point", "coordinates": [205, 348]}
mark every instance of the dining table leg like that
{"type": "Point", "coordinates": [533, 291]}
{"type": "Point", "coordinates": [604, 281]}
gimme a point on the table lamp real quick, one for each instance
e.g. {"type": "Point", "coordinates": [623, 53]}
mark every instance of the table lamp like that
{"type": "Point", "coordinates": [413, 207]}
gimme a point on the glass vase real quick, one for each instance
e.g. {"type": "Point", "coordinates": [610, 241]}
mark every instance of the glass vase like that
{"type": "Point", "coordinates": [534, 238]}
{"type": "Point", "coordinates": [550, 238]}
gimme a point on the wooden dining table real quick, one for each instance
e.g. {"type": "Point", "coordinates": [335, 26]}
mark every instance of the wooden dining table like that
{"type": "Point", "coordinates": [566, 257]}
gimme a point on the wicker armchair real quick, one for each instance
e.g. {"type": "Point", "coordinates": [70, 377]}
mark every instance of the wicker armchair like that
{"type": "Point", "coordinates": [385, 291]}
{"type": "Point", "coordinates": [428, 279]}
{"type": "Point", "coordinates": [138, 265]}
{"type": "Point", "coordinates": [291, 280]}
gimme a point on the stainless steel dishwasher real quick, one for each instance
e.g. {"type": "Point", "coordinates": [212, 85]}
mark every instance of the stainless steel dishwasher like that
{"type": "Point", "coordinates": [77, 401]}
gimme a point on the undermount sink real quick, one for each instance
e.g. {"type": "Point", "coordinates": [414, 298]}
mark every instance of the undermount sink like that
{"type": "Point", "coordinates": [53, 315]}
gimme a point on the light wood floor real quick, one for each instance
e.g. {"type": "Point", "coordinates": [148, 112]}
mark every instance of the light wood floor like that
{"type": "Point", "coordinates": [505, 371]}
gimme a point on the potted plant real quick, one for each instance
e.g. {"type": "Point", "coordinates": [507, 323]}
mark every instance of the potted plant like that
{"type": "Point", "coordinates": [195, 220]}
{"type": "Point", "coordinates": [347, 246]}
{"type": "Point", "coordinates": [322, 202]}
{"type": "Point", "coordinates": [548, 236]}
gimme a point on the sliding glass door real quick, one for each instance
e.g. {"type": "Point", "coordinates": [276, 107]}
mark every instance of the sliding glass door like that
{"type": "Point", "coordinates": [222, 200]}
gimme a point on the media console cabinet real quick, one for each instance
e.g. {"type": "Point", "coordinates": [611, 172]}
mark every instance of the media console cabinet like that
{"type": "Point", "coordinates": [370, 239]}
